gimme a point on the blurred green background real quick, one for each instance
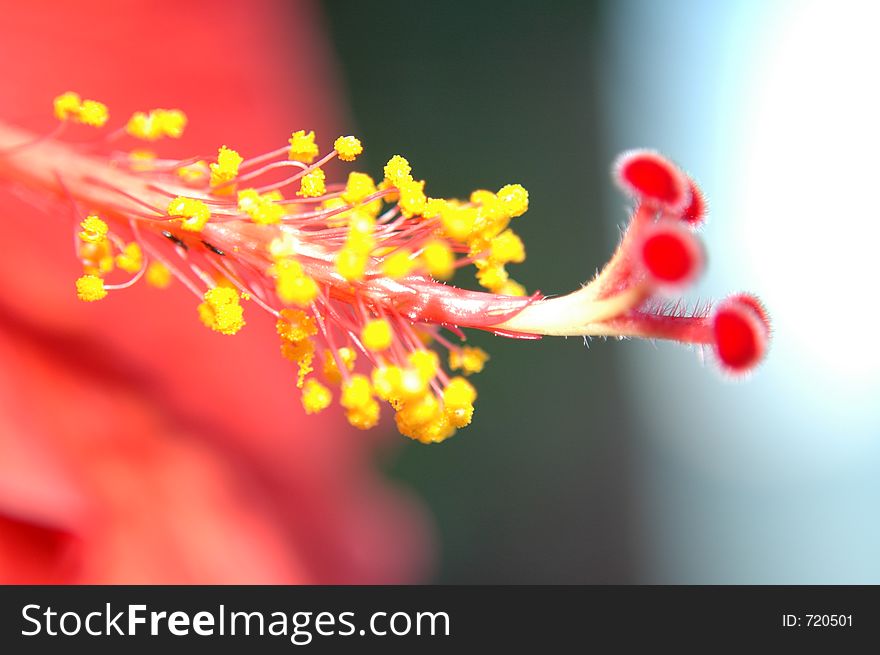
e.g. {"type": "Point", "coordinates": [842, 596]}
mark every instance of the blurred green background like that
{"type": "Point", "coordinates": [478, 96]}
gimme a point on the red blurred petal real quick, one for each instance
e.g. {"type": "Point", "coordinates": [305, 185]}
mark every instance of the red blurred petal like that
{"type": "Point", "coordinates": [186, 452]}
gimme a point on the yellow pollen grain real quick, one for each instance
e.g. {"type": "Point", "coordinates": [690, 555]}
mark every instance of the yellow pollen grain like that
{"type": "Point", "coordinates": [93, 113]}
{"type": "Point", "coordinates": [94, 230]}
{"type": "Point", "coordinates": [514, 199]}
{"type": "Point", "coordinates": [398, 264]}
{"type": "Point", "coordinates": [469, 359]}
{"type": "Point", "coordinates": [315, 397]}
{"type": "Point", "coordinates": [438, 260]}
{"type": "Point", "coordinates": [295, 325]}
{"type": "Point", "coordinates": [90, 288]}
{"type": "Point", "coordinates": [303, 147]}
{"type": "Point", "coordinates": [221, 310]}
{"type": "Point", "coordinates": [351, 263]}
{"type": "Point", "coordinates": [312, 184]}
{"type": "Point", "coordinates": [507, 247]}
{"type": "Point", "coordinates": [346, 355]}
{"type": "Point", "coordinates": [156, 124]}
{"type": "Point", "coordinates": [412, 198]}
{"type": "Point", "coordinates": [357, 392]}
{"type": "Point", "coordinates": [348, 147]}
{"type": "Point", "coordinates": [67, 105]}
{"type": "Point", "coordinates": [492, 277]}
{"type": "Point", "coordinates": [226, 167]}
{"type": "Point", "coordinates": [358, 187]}
{"type": "Point", "coordinates": [158, 275]}
{"type": "Point", "coordinates": [376, 335]}
{"type": "Point", "coordinates": [131, 258]}
{"type": "Point", "coordinates": [195, 213]}
{"type": "Point", "coordinates": [398, 170]}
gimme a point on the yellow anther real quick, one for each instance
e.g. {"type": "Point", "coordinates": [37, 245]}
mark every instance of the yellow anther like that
{"type": "Point", "coordinates": [141, 160]}
{"type": "Point", "coordinates": [439, 260]}
{"type": "Point", "coordinates": [412, 384]}
{"type": "Point", "coordinates": [514, 199]}
{"type": "Point", "coordinates": [435, 431]}
{"type": "Point", "coordinates": [97, 257]}
{"type": "Point", "coordinates": [141, 126]}
{"type": "Point", "coordinates": [300, 291]}
{"type": "Point", "coordinates": [398, 264]}
{"type": "Point", "coordinates": [425, 362]}
{"type": "Point", "coordinates": [292, 284]}
{"type": "Point", "coordinates": [492, 276]}
{"type": "Point", "coordinates": [386, 381]}
{"type": "Point", "coordinates": [398, 170]}
{"type": "Point", "coordinates": [194, 212]}
{"type": "Point", "coordinates": [315, 397]}
{"type": "Point", "coordinates": [334, 203]}
{"type": "Point", "coordinates": [221, 310]}
{"type": "Point", "coordinates": [331, 371]}
{"type": "Point", "coordinates": [303, 147]}
{"type": "Point", "coordinates": [94, 230]}
{"type": "Point", "coordinates": [268, 213]}
{"type": "Point", "coordinates": [356, 392]}
{"type": "Point", "coordinates": [67, 105]}
{"type": "Point", "coordinates": [351, 263]}
{"type": "Point", "coordinates": [458, 222]}
{"type": "Point", "coordinates": [263, 209]}
{"type": "Point", "coordinates": [435, 207]}
{"type": "Point", "coordinates": [105, 265]}
{"type": "Point", "coordinates": [348, 147]}
{"type": "Point", "coordinates": [301, 353]}
{"type": "Point", "coordinates": [458, 401]}
{"type": "Point", "coordinates": [507, 247]}
{"type": "Point", "coordinates": [193, 173]}
{"type": "Point", "coordinates": [286, 266]}
{"type": "Point", "coordinates": [360, 230]}
{"type": "Point", "coordinates": [391, 196]}
{"type": "Point", "coordinates": [298, 352]}
{"type": "Point", "coordinates": [248, 200]}
{"type": "Point", "coordinates": [226, 167]}
{"type": "Point", "coordinates": [358, 187]}
{"type": "Point", "coordinates": [295, 325]}
{"type": "Point", "coordinates": [511, 288]}
{"type": "Point", "coordinates": [487, 201]}
{"type": "Point", "coordinates": [131, 258]}
{"type": "Point", "coordinates": [364, 418]}
{"type": "Point", "coordinates": [158, 275]}
{"type": "Point", "coordinates": [412, 198]}
{"type": "Point", "coordinates": [459, 393]}
{"type": "Point", "coordinates": [172, 122]}
{"type": "Point", "coordinates": [93, 113]}
{"type": "Point", "coordinates": [376, 335]}
{"type": "Point", "coordinates": [156, 124]}
{"type": "Point", "coordinates": [90, 288]}
{"type": "Point", "coordinates": [419, 412]}
{"type": "Point", "coordinates": [468, 359]}
{"type": "Point", "coordinates": [312, 184]}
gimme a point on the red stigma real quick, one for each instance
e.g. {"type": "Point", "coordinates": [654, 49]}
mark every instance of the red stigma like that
{"type": "Point", "coordinates": [741, 333]}
{"type": "Point", "coordinates": [671, 255]}
{"type": "Point", "coordinates": [755, 305]}
{"type": "Point", "coordinates": [695, 212]}
{"type": "Point", "coordinates": [652, 178]}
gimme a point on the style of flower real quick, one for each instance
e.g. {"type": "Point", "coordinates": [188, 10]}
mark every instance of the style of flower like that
{"type": "Point", "coordinates": [354, 272]}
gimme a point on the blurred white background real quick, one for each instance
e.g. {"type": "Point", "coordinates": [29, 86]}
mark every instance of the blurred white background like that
{"type": "Point", "coordinates": [774, 107]}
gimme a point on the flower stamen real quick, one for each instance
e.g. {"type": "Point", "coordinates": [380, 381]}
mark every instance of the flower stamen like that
{"type": "Point", "coordinates": [354, 273]}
